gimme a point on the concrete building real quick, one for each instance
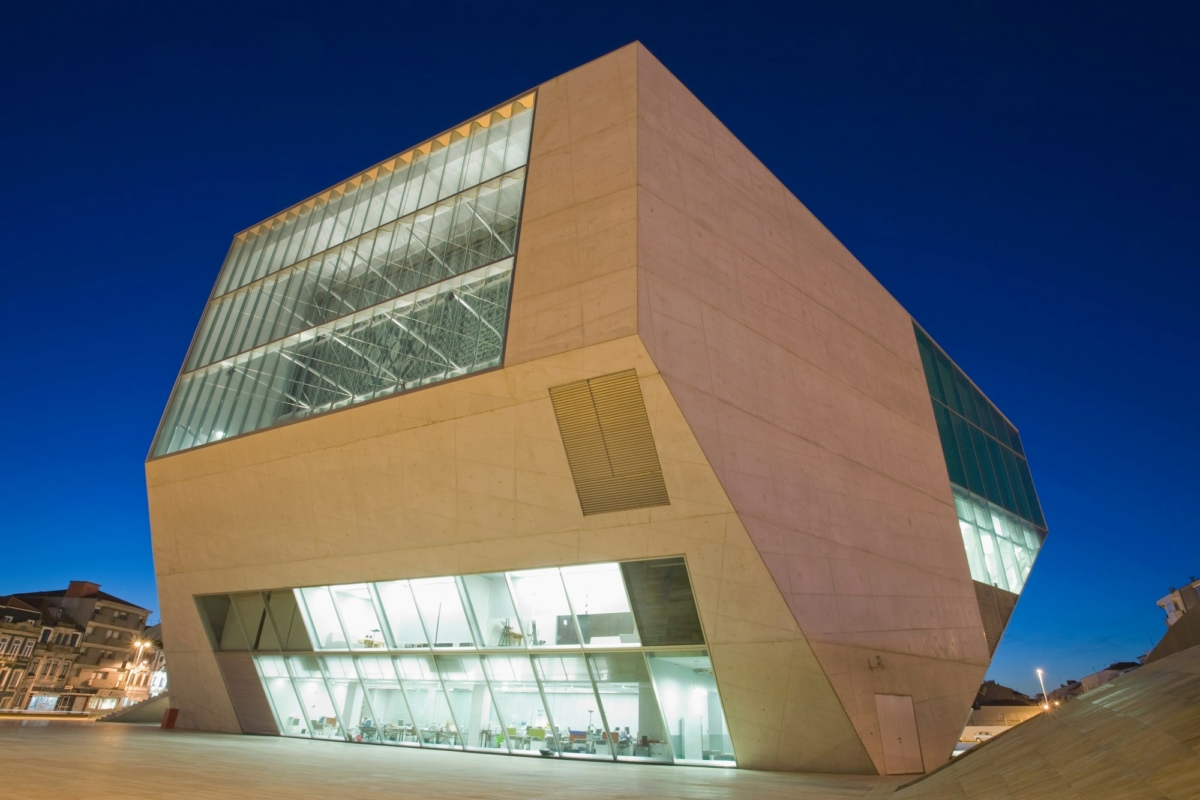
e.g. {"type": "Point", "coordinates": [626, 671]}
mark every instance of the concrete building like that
{"type": "Point", "coordinates": [109, 653]}
{"type": "Point", "coordinates": [1179, 601]}
{"type": "Point", "coordinates": [1183, 622]}
{"type": "Point", "coordinates": [37, 651]}
{"type": "Point", "coordinates": [572, 432]}
{"type": "Point", "coordinates": [1115, 670]}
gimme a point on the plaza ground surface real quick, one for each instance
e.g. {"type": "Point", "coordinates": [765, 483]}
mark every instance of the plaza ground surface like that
{"type": "Point", "coordinates": [95, 761]}
{"type": "Point", "coordinates": [1136, 737]}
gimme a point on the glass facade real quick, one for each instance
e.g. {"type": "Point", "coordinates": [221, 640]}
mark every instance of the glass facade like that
{"type": "Point", "coordinates": [998, 509]}
{"type": "Point", "coordinates": [544, 662]}
{"type": "Point", "coordinates": [395, 279]}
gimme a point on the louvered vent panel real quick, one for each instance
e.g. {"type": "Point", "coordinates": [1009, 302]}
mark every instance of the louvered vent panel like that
{"type": "Point", "coordinates": [996, 607]}
{"type": "Point", "coordinates": [610, 447]}
{"type": "Point", "coordinates": [246, 692]}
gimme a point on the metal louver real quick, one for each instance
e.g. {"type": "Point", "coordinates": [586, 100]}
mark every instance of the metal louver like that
{"type": "Point", "coordinates": [610, 448]}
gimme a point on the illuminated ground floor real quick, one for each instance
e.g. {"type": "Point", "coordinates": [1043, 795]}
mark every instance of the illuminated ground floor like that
{"type": "Point", "coordinates": [589, 662]}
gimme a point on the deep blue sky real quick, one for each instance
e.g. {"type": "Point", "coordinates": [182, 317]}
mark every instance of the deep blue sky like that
{"type": "Point", "coordinates": [1022, 177]}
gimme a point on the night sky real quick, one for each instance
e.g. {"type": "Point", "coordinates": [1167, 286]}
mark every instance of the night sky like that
{"type": "Point", "coordinates": [1021, 176]}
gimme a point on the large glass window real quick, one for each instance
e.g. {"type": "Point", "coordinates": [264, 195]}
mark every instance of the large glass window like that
{"type": "Point", "coordinates": [379, 285]}
{"type": "Point", "coordinates": [252, 611]}
{"type": "Point", "coordinates": [289, 715]}
{"type": "Point", "coordinates": [349, 699]}
{"type": "Point", "coordinates": [400, 612]}
{"type": "Point", "coordinates": [357, 610]}
{"type": "Point", "coordinates": [543, 608]}
{"type": "Point", "coordinates": [471, 702]}
{"type": "Point", "coordinates": [998, 510]}
{"type": "Point", "coordinates": [691, 706]}
{"type": "Point", "coordinates": [319, 712]}
{"type": "Point", "coordinates": [519, 702]}
{"type": "Point", "coordinates": [572, 706]}
{"type": "Point", "coordinates": [441, 609]}
{"type": "Point", "coordinates": [1001, 547]}
{"type": "Point", "coordinates": [492, 606]}
{"type": "Point", "coordinates": [326, 627]}
{"type": "Point", "coordinates": [507, 671]}
{"type": "Point", "coordinates": [289, 622]}
{"type": "Point", "coordinates": [393, 722]}
{"type": "Point", "coordinates": [635, 725]}
{"type": "Point", "coordinates": [597, 595]}
{"type": "Point", "coordinates": [446, 330]}
{"type": "Point", "coordinates": [220, 619]}
{"type": "Point", "coordinates": [432, 718]}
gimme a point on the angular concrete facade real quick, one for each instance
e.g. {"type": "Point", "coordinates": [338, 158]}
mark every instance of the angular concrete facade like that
{"type": "Point", "coordinates": [785, 392]}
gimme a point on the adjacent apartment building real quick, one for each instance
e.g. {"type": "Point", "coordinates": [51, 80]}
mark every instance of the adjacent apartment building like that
{"type": "Point", "coordinates": [570, 432]}
{"type": "Point", "coordinates": [88, 650]}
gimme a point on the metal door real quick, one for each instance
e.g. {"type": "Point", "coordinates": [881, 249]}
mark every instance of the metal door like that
{"type": "Point", "coordinates": [898, 731]}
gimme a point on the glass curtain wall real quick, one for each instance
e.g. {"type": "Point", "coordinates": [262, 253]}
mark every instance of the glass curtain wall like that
{"type": "Point", "coordinates": [395, 279]}
{"type": "Point", "coordinates": [455, 663]}
{"type": "Point", "coordinates": [998, 508]}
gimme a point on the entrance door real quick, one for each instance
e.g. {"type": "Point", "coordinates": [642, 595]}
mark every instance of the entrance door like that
{"type": "Point", "coordinates": [898, 730]}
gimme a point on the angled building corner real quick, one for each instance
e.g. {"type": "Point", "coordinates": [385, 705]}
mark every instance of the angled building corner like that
{"type": "Point", "coordinates": [573, 400]}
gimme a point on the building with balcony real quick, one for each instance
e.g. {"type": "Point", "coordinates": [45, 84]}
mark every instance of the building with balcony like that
{"type": "Point", "coordinates": [108, 648]}
{"type": "Point", "coordinates": [571, 433]}
{"type": "Point", "coordinates": [38, 648]}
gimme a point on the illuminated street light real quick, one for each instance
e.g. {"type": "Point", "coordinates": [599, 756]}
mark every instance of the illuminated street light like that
{"type": "Point", "coordinates": [1045, 699]}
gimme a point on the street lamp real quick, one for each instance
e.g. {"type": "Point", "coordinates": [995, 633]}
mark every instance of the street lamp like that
{"type": "Point", "coordinates": [1045, 699]}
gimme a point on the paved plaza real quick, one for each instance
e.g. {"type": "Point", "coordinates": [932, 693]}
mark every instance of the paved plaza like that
{"type": "Point", "coordinates": [97, 761]}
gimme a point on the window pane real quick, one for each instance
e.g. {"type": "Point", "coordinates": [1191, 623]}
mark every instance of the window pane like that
{"type": "Point", "coordinates": [597, 594]}
{"type": "Point", "coordinates": [542, 604]}
{"type": "Point", "coordinates": [319, 713]}
{"type": "Point", "coordinates": [635, 723]}
{"type": "Point", "coordinates": [471, 702]}
{"type": "Point", "coordinates": [973, 547]}
{"type": "Point", "coordinates": [323, 618]}
{"type": "Point", "coordinates": [1035, 506]}
{"type": "Point", "coordinates": [962, 435]}
{"type": "Point", "coordinates": [400, 611]}
{"type": "Point", "coordinates": [1007, 499]}
{"type": "Point", "coordinates": [520, 704]}
{"type": "Point", "coordinates": [349, 699]}
{"type": "Point", "coordinates": [991, 489]}
{"type": "Point", "coordinates": [253, 614]}
{"type": "Point", "coordinates": [493, 609]}
{"type": "Point", "coordinates": [954, 465]}
{"type": "Point", "coordinates": [393, 722]}
{"type": "Point", "coordinates": [946, 378]}
{"type": "Point", "coordinates": [431, 712]}
{"type": "Point", "coordinates": [289, 623]}
{"type": "Point", "coordinates": [573, 709]}
{"type": "Point", "coordinates": [441, 609]}
{"type": "Point", "coordinates": [966, 396]}
{"type": "Point", "coordinates": [691, 705]}
{"type": "Point", "coordinates": [357, 611]}
{"type": "Point", "coordinates": [225, 633]}
{"type": "Point", "coordinates": [663, 605]}
{"type": "Point", "coordinates": [288, 714]}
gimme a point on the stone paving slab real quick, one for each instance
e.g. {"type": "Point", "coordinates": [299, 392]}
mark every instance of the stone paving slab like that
{"type": "Point", "coordinates": [1135, 737]}
{"type": "Point", "coordinates": [98, 761]}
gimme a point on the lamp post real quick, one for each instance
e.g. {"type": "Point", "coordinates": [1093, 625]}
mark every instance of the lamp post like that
{"type": "Point", "coordinates": [137, 664]}
{"type": "Point", "coordinates": [1045, 698]}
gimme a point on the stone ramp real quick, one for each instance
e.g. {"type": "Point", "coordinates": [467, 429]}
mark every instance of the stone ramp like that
{"type": "Point", "coordinates": [150, 710]}
{"type": "Point", "coordinates": [1135, 737]}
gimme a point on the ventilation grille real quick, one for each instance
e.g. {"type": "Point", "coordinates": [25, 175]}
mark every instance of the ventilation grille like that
{"type": "Point", "coordinates": [995, 606]}
{"type": "Point", "coordinates": [610, 448]}
{"type": "Point", "coordinates": [246, 692]}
